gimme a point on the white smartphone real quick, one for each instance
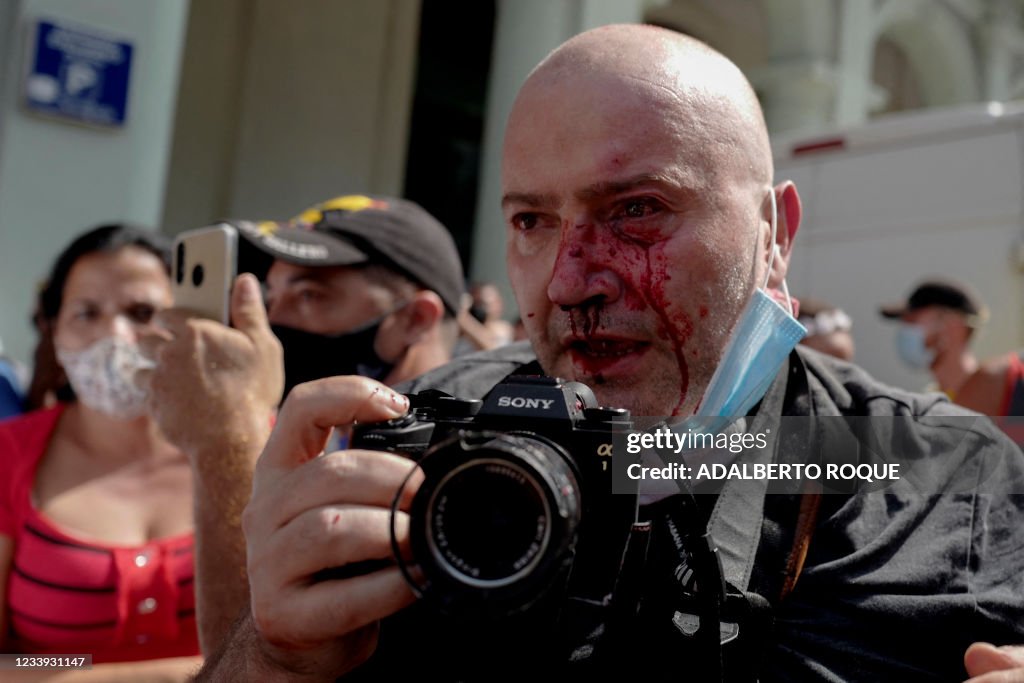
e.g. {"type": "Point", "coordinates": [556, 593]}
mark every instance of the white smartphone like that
{"type": "Point", "coordinates": [204, 268]}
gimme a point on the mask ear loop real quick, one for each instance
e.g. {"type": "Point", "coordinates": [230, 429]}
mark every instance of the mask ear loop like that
{"type": "Point", "coordinates": [775, 245]}
{"type": "Point", "coordinates": [775, 252]}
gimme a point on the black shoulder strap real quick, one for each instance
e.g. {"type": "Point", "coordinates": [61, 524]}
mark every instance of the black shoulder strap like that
{"type": "Point", "coordinates": [738, 517]}
{"type": "Point", "coordinates": [735, 522]}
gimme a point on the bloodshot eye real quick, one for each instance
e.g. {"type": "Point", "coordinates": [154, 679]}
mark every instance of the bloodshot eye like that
{"type": "Point", "coordinates": [639, 208]}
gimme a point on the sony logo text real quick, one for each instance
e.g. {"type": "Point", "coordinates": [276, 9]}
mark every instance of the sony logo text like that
{"type": "Point", "coordinates": [520, 402]}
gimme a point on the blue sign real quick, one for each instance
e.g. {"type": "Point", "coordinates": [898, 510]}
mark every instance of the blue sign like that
{"type": "Point", "coordinates": [78, 75]}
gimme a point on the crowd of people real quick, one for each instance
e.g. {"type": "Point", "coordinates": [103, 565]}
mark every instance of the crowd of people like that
{"type": "Point", "coordinates": [185, 497]}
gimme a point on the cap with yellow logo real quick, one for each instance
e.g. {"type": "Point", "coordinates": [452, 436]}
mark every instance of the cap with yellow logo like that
{"type": "Point", "coordinates": [357, 229]}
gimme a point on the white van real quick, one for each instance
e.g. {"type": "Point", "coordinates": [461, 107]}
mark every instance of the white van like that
{"type": "Point", "coordinates": [907, 196]}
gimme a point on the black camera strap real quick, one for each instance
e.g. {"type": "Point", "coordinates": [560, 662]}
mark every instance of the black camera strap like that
{"type": "Point", "coordinates": [736, 520]}
{"type": "Point", "coordinates": [710, 600]}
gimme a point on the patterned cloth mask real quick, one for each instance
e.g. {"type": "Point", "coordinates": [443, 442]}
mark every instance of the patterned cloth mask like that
{"type": "Point", "coordinates": [102, 376]}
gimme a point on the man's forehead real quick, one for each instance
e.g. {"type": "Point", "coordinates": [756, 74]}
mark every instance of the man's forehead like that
{"type": "Point", "coordinates": [675, 180]}
{"type": "Point", "coordinates": [590, 147]}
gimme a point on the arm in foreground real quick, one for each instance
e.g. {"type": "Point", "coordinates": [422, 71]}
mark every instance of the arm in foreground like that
{"type": "Point", "coordinates": [213, 392]}
{"type": "Point", "coordinates": [310, 512]}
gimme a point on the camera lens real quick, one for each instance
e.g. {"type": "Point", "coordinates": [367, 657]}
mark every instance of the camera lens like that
{"type": "Point", "coordinates": [179, 265]}
{"type": "Point", "coordinates": [494, 521]}
{"type": "Point", "coordinates": [489, 521]}
{"type": "Point", "coordinates": [198, 274]}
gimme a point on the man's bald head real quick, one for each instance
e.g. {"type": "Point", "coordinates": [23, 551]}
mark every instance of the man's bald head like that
{"type": "Point", "coordinates": [707, 94]}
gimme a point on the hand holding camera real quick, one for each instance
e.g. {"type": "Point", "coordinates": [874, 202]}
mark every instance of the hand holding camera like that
{"type": "Point", "coordinates": [506, 496]}
{"type": "Point", "coordinates": [310, 513]}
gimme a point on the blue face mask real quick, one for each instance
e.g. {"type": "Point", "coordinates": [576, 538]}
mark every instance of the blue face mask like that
{"type": "Point", "coordinates": [911, 347]}
{"type": "Point", "coordinates": [763, 337]}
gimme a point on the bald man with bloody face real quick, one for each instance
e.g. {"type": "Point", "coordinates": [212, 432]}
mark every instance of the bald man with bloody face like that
{"type": "Point", "coordinates": [635, 237]}
{"type": "Point", "coordinates": [640, 210]}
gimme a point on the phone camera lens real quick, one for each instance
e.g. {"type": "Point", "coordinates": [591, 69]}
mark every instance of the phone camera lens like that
{"type": "Point", "coordinates": [179, 266]}
{"type": "Point", "coordinates": [197, 275]}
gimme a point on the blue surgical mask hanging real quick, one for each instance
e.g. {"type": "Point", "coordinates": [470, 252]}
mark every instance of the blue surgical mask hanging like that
{"type": "Point", "coordinates": [910, 343]}
{"type": "Point", "coordinates": [763, 337]}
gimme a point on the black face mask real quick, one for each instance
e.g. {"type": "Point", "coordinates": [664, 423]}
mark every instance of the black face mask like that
{"type": "Point", "coordinates": [309, 356]}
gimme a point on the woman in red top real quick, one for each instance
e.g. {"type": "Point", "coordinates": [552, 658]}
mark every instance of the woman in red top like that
{"type": "Point", "coordinates": [95, 505]}
{"type": "Point", "coordinates": [997, 390]}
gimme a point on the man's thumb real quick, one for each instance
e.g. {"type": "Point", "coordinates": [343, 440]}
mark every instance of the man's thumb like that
{"type": "Point", "coordinates": [983, 658]}
{"type": "Point", "coordinates": [247, 310]}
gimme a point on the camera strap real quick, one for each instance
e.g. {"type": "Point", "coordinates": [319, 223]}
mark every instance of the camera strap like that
{"type": "Point", "coordinates": [718, 558]}
{"type": "Point", "coordinates": [737, 518]}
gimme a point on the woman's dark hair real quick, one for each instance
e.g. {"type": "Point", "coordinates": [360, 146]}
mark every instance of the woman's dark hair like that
{"type": "Point", "coordinates": [47, 375]}
{"type": "Point", "coordinates": [102, 239]}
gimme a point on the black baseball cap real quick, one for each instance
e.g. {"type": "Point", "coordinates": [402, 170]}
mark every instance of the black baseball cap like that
{"type": "Point", "coordinates": [358, 229]}
{"type": "Point", "coordinates": [946, 293]}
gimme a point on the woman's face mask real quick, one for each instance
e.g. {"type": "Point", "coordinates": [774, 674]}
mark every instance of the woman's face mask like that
{"type": "Point", "coordinates": [102, 376]}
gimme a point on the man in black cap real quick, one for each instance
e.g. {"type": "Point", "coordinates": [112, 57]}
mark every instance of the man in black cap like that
{"type": "Point", "coordinates": [937, 323]}
{"type": "Point", "coordinates": [361, 285]}
{"type": "Point", "coordinates": [356, 285]}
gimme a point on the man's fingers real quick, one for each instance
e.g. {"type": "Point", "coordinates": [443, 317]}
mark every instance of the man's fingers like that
{"type": "Point", "coordinates": [983, 658]}
{"type": "Point", "coordinates": [314, 408]}
{"type": "Point", "coordinates": [332, 536]}
{"type": "Point", "coordinates": [327, 610]}
{"type": "Point", "coordinates": [349, 477]}
{"type": "Point", "coordinates": [247, 310]}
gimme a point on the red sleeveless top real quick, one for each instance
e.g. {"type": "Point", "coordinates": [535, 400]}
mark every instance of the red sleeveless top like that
{"type": "Point", "coordinates": [70, 595]}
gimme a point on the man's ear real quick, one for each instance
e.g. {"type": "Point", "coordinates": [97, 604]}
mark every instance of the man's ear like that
{"type": "Point", "coordinates": [788, 215]}
{"type": "Point", "coordinates": [419, 317]}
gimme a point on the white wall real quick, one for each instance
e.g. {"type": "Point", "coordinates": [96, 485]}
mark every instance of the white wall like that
{"type": "Point", "coordinates": [56, 179]}
{"type": "Point", "coordinates": [337, 82]}
{"type": "Point", "coordinates": [284, 105]}
{"type": "Point", "coordinates": [208, 109]}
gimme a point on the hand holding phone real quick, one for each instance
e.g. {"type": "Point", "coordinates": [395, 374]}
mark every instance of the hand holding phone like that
{"type": "Point", "coordinates": [205, 265]}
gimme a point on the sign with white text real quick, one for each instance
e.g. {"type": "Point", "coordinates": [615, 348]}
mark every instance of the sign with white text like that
{"type": "Point", "coordinates": [77, 75]}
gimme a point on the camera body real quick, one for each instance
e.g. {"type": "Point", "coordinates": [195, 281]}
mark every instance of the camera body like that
{"type": "Point", "coordinates": [516, 492]}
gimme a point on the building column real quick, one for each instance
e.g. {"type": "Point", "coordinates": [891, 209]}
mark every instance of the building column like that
{"type": "Point", "coordinates": [1002, 46]}
{"type": "Point", "coordinates": [856, 51]}
{"type": "Point", "coordinates": [798, 83]}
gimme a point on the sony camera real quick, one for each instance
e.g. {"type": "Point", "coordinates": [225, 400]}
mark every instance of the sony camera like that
{"type": "Point", "coordinates": [516, 496]}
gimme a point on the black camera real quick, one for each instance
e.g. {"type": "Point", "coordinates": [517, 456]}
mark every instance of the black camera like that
{"type": "Point", "coordinates": [516, 496]}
